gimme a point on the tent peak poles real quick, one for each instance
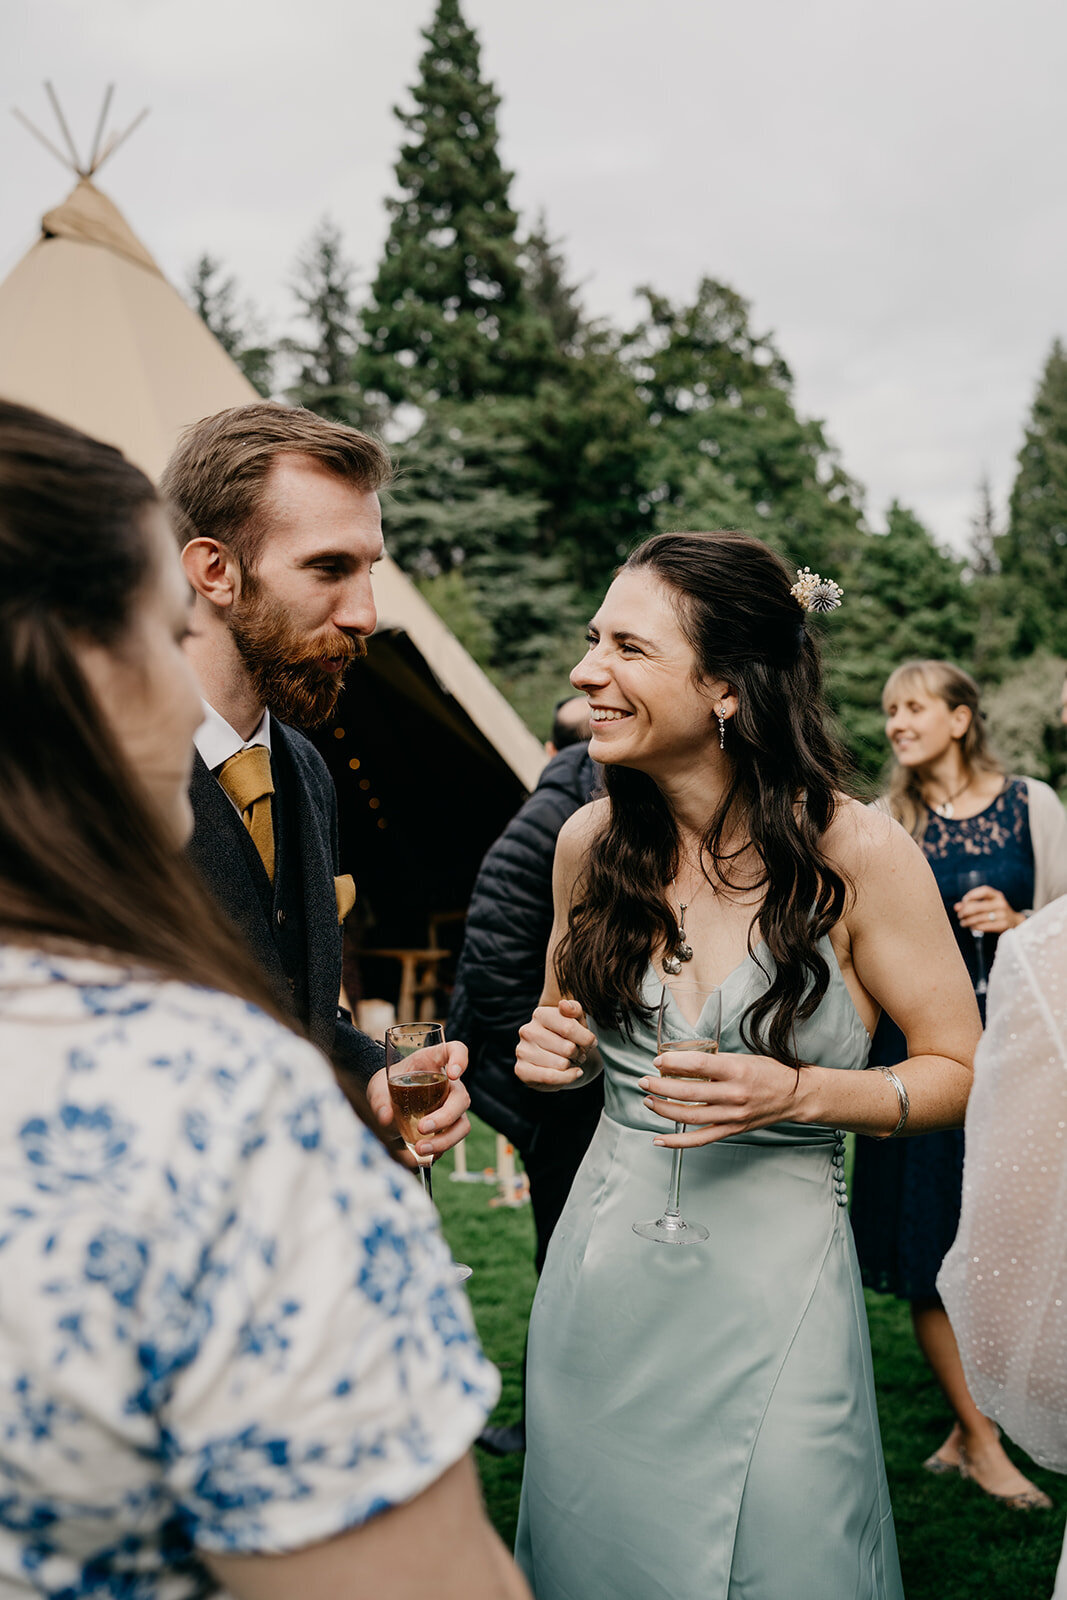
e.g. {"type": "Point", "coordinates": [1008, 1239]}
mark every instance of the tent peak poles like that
{"type": "Point", "coordinates": [100, 153]}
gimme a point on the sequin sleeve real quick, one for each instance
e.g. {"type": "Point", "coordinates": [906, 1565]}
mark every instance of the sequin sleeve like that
{"type": "Point", "coordinates": [1004, 1282]}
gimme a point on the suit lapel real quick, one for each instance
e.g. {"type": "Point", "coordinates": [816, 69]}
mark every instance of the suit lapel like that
{"type": "Point", "coordinates": [309, 834]}
{"type": "Point", "coordinates": [229, 864]}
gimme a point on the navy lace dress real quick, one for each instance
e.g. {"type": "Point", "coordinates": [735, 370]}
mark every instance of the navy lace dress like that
{"type": "Point", "coordinates": [906, 1192]}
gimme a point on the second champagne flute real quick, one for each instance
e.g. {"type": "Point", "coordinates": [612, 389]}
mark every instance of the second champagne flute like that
{"type": "Point", "coordinates": [968, 881]}
{"type": "Point", "coordinates": [690, 1018]}
{"type": "Point", "coordinates": [415, 1092]}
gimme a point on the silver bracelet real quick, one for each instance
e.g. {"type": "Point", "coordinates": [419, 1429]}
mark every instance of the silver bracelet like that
{"type": "Point", "coordinates": [902, 1098]}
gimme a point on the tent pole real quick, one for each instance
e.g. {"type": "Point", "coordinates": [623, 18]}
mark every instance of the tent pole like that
{"type": "Point", "coordinates": [100, 127]}
{"type": "Point", "coordinates": [120, 139]}
{"type": "Point", "coordinates": [61, 119]}
{"type": "Point", "coordinates": [37, 134]}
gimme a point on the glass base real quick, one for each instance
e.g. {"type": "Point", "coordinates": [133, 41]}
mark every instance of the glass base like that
{"type": "Point", "coordinates": [672, 1230]}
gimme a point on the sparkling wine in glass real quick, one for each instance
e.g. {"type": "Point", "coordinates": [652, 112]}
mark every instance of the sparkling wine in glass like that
{"type": "Point", "coordinates": [416, 1090]}
{"type": "Point", "coordinates": [690, 1018]}
{"type": "Point", "coordinates": [968, 881]}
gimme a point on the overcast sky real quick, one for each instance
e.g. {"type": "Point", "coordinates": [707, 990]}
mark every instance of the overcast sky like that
{"type": "Point", "coordinates": [883, 179]}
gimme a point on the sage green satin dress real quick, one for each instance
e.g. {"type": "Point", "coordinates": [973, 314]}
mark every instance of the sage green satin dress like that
{"type": "Point", "coordinates": [701, 1420]}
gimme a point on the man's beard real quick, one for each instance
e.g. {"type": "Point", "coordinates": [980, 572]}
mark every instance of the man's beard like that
{"type": "Point", "coordinates": [287, 673]}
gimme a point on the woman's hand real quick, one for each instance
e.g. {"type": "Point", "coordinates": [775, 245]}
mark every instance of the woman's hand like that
{"type": "Point", "coordinates": [553, 1046]}
{"type": "Point", "coordinates": [985, 910]}
{"type": "Point", "coordinates": [733, 1094]}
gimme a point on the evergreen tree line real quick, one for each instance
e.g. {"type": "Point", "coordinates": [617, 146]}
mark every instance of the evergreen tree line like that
{"type": "Point", "coordinates": [536, 445]}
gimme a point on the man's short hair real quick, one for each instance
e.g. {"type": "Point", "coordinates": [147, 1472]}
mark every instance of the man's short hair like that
{"type": "Point", "coordinates": [570, 730]}
{"type": "Point", "coordinates": [213, 483]}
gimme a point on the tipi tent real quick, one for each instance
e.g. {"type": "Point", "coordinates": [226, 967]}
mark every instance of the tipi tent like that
{"type": "Point", "coordinates": [430, 759]}
{"type": "Point", "coordinates": [91, 331]}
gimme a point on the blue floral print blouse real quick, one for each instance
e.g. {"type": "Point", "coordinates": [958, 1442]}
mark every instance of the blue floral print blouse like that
{"type": "Point", "coordinates": [227, 1320]}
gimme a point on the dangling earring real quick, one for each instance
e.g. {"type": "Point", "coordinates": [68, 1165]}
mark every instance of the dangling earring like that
{"type": "Point", "coordinates": [722, 729]}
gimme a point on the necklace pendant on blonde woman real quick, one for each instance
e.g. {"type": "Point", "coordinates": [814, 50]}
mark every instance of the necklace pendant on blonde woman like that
{"type": "Point", "coordinates": [947, 806]}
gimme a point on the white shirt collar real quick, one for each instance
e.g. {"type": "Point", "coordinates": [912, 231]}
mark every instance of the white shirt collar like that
{"type": "Point", "coordinates": [217, 741]}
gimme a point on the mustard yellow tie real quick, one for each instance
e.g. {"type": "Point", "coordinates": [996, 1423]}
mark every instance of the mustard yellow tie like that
{"type": "Point", "coordinates": [246, 779]}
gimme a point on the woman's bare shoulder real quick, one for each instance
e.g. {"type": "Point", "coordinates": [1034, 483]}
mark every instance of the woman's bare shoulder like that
{"type": "Point", "coordinates": [861, 837]}
{"type": "Point", "coordinates": [582, 828]}
{"type": "Point", "coordinates": [576, 838]}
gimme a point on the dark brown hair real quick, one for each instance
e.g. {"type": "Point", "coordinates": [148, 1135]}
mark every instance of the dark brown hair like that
{"type": "Point", "coordinates": [213, 483]}
{"type": "Point", "coordinates": [943, 680]}
{"type": "Point", "coordinates": [736, 611]}
{"type": "Point", "coordinates": [83, 858]}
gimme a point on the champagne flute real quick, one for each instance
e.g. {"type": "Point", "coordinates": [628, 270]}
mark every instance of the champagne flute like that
{"type": "Point", "coordinates": [692, 1023]}
{"type": "Point", "coordinates": [416, 1090]}
{"type": "Point", "coordinates": [968, 881]}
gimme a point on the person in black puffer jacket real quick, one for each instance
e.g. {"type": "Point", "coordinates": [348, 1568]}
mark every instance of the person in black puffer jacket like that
{"type": "Point", "coordinates": [498, 985]}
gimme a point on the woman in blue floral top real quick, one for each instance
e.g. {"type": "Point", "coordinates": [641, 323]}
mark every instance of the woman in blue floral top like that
{"type": "Point", "coordinates": [232, 1357]}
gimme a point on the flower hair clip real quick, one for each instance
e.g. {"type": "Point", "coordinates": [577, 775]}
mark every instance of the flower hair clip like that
{"type": "Point", "coordinates": [813, 593]}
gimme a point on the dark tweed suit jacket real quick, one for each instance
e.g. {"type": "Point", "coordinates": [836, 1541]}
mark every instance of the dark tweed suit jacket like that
{"type": "Point", "coordinates": [291, 925]}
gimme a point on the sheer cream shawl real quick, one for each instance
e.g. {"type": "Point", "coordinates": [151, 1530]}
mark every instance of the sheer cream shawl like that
{"type": "Point", "coordinates": [1004, 1282]}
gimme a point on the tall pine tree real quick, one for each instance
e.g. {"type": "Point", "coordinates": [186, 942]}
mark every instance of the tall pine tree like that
{"type": "Point", "coordinates": [732, 451]}
{"type": "Point", "coordinates": [326, 374]}
{"type": "Point", "coordinates": [990, 594]}
{"type": "Point", "coordinates": [461, 522]}
{"type": "Point", "coordinates": [1033, 551]}
{"type": "Point", "coordinates": [545, 276]}
{"type": "Point", "coordinates": [238, 329]}
{"type": "Point", "coordinates": [982, 559]}
{"type": "Point", "coordinates": [486, 337]}
{"type": "Point", "coordinates": [214, 299]}
{"type": "Point", "coordinates": [449, 317]}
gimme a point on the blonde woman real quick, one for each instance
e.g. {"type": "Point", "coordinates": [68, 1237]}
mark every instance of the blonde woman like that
{"type": "Point", "coordinates": [998, 848]}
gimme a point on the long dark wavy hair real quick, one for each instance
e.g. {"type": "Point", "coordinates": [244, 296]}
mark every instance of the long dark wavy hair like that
{"type": "Point", "coordinates": [84, 860]}
{"type": "Point", "coordinates": [785, 772]}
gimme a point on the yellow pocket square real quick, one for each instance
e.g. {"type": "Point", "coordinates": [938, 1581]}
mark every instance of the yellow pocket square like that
{"type": "Point", "coordinates": [344, 888]}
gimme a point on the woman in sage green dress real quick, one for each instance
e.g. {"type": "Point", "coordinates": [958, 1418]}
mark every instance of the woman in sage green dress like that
{"type": "Point", "coordinates": [701, 1421]}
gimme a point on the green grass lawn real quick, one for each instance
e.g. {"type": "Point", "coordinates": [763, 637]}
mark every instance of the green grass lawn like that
{"type": "Point", "coordinates": [954, 1543]}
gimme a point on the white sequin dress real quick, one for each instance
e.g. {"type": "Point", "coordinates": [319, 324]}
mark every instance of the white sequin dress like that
{"type": "Point", "coordinates": [1004, 1282]}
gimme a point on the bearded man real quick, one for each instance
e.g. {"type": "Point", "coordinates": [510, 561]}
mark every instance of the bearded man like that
{"type": "Point", "coordinates": [277, 514]}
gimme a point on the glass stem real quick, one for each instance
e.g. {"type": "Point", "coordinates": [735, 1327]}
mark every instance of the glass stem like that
{"type": "Point", "coordinates": [674, 1198]}
{"type": "Point", "coordinates": [424, 1178]}
{"type": "Point", "coordinates": [979, 952]}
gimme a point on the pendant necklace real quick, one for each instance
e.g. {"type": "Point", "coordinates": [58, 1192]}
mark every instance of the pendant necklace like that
{"type": "Point", "coordinates": [683, 950]}
{"type": "Point", "coordinates": [945, 808]}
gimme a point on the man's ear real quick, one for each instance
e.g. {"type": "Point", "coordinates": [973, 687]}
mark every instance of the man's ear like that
{"type": "Point", "coordinates": [212, 571]}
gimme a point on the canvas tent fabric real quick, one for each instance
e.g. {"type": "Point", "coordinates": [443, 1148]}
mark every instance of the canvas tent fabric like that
{"type": "Point", "coordinates": [92, 332]}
